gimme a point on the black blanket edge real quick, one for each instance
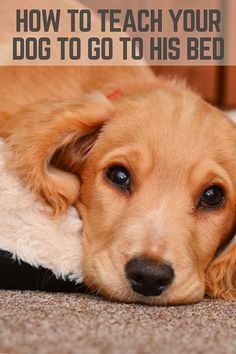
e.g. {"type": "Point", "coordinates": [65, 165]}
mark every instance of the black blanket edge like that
{"type": "Point", "coordinates": [18, 275]}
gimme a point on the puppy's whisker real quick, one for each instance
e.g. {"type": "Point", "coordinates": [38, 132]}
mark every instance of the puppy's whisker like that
{"type": "Point", "coordinates": [91, 284]}
{"type": "Point", "coordinates": [99, 290]}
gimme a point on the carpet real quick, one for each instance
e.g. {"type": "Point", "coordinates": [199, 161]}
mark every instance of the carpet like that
{"type": "Point", "coordinates": [37, 322]}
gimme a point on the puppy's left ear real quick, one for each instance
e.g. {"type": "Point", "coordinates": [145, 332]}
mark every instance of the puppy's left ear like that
{"type": "Point", "coordinates": [221, 274]}
{"type": "Point", "coordinates": [45, 139]}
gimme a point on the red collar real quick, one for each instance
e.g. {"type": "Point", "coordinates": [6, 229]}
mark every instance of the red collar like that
{"type": "Point", "coordinates": [114, 94]}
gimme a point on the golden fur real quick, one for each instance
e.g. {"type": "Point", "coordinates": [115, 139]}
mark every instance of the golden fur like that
{"type": "Point", "coordinates": [174, 145]}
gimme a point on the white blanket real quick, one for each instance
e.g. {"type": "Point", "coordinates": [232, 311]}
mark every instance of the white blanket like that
{"type": "Point", "coordinates": [31, 234]}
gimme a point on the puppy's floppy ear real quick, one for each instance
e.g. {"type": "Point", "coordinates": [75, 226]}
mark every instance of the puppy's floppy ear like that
{"type": "Point", "coordinates": [46, 129]}
{"type": "Point", "coordinates": [221, 274]}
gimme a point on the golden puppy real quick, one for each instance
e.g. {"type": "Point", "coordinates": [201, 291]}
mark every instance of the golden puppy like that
{"type": "Point", "coordinates": [151, 168]}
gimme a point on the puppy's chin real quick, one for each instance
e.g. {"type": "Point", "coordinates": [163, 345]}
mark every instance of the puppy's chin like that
{"type": "Point", "coordinates": [188, 294]}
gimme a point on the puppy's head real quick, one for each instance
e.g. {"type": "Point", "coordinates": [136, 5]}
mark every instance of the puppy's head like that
{"type": "Point", "coordinates": [154, 178]}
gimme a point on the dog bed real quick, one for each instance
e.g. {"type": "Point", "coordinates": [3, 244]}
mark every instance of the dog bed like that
{"type": "Point", "coordinates": [37, 251]}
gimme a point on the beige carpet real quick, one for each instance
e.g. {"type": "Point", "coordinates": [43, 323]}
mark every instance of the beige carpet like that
{"type": "Point", "coordinates": [32, 322]}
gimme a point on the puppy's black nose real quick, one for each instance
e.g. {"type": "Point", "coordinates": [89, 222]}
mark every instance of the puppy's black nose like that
{"type": "Point", "coordinates": [148, 277]}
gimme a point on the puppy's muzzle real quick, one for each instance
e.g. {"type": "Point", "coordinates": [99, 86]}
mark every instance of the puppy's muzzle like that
{"type": "Point", "coordinates": [148, 277]}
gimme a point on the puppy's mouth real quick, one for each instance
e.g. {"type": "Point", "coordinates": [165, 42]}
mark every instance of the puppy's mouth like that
{"type": "Point", "coordinates": [146, 281]}
{"type": "Point", "coordinates": [143, 281]}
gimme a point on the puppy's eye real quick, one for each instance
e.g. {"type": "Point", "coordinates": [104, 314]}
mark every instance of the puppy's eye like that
{"type": "Point", "coordinates": [118, 176]}
{"type": "Point", "coordinates": [213, 197]}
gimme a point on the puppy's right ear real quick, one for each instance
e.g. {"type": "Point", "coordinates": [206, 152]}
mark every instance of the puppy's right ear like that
{"type": "Point", "coordinates": [45, 131]}
{"type": "Point", "coordinates": [221, 274]}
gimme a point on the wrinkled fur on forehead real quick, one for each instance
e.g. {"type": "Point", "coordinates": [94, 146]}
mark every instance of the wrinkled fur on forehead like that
{"type": "Point", "coordinates": [172, 122]}
{"type": "Point", "coordinates": [71, 156]}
